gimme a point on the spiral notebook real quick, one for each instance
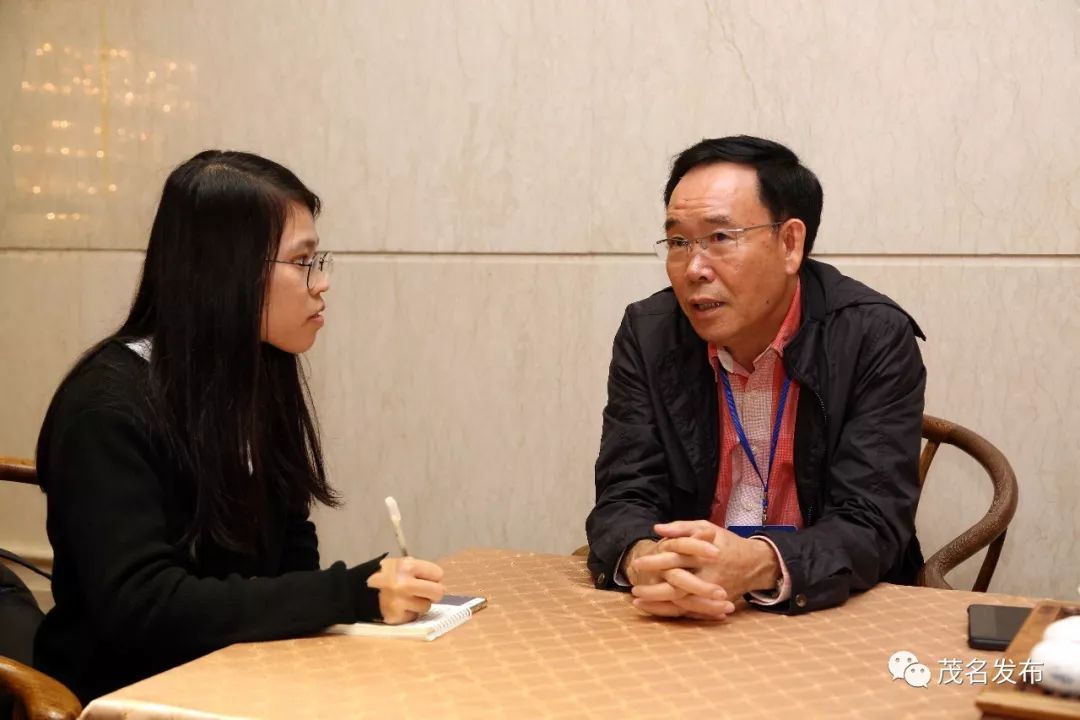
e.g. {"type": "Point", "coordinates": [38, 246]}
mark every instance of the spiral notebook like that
{"type": "Point", "coordinates": [444, 616]}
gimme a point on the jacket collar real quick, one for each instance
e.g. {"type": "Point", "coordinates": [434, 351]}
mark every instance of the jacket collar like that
{"type": "Point", "coordinates": [141, 347]}
{"type": "Point", "coordinates": [800, 359]}
{"type": "Point", "coordinates": [825, 290]}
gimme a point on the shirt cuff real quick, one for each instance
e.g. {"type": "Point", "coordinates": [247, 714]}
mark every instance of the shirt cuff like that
{"type": "Point", "coordinates": [783, 592]}
{"type": "Point", "coordinates": [620, 579]}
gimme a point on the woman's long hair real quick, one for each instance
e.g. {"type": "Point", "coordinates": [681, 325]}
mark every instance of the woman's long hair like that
{"type": "Point", "coordinates": [235, 412]}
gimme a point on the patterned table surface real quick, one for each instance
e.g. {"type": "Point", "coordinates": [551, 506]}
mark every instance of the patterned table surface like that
{"type": "Point", "coordinates": [550, 645]}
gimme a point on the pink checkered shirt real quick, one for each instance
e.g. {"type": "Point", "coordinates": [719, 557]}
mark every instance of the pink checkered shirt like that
{"type": "Point", "coordinates": [757, 392]}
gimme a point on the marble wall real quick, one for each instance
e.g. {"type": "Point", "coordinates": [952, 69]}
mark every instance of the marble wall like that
{"type": "Point", "coordinates": [492, 174]}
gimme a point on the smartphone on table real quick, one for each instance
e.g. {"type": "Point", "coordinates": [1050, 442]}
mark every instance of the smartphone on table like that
{"type": "Point", "coordinates": [993, 627]}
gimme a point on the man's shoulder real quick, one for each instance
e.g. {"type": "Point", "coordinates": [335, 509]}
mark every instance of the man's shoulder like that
{"type": "Point", "coordinates": [661, 303]}
{"type": "Point", "coordinates": [659, 327]}
{"type": "Point", "coordinates": [658, 322]}
{"type": "Point", "coordinates": [846, 298]}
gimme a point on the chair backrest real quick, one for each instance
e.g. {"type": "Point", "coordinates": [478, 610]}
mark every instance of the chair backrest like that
{"type": "Point", "coordinates": [989, 531]}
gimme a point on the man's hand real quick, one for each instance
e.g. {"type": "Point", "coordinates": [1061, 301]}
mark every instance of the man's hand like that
{"type": "Point", "coordinates": [639, 549]}
{"type": "Point", "coordinates": [696, 567]}
{"type": "Point", "coordinates": [642, 575]}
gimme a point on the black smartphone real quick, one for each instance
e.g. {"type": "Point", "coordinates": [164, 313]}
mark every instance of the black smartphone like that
{"type": "Point", "coordinates": [992, 627]}
{"type": "Point", "coordinates": [473, 603]}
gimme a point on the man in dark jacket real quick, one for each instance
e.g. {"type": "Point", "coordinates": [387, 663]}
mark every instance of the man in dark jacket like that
{"type": "Point", "coordinates": [762, 430]}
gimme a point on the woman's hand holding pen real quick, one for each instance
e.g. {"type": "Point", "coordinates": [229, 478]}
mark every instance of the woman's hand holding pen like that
{"type": "Point", "coordinates": [407, 586]}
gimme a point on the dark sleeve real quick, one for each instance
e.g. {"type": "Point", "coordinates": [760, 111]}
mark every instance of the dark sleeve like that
{"type": "Point", "coordinates": [301, 549]}
{"type": "Point", "coordinates": [632, 491]}
{"type": "Point", "coordinates": [869, 516]}
{"type": "Point", "coordinates": [107, 518]}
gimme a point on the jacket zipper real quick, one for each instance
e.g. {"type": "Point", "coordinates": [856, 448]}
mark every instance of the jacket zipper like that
{"type": "Point", "coordinates": [825, 417]}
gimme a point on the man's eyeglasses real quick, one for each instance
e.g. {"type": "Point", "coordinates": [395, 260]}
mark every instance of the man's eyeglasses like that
{"type": "Point", "coordinates": [320, 265]}
{"type": "Point", "coordinates": [716, 244]}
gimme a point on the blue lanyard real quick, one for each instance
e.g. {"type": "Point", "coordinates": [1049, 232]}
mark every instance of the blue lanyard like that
{"type": "Point", "coordinates": [746, 443]}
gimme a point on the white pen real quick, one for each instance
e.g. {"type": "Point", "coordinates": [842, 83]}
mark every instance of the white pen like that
{"type": "Point", "coordinates": [395, 518]}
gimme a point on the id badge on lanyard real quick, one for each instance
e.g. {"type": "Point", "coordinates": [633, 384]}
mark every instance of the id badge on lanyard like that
{"type": "Point", "coordinates": [745, 531]}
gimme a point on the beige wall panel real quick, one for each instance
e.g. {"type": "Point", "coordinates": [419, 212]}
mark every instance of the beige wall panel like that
{"type": "Point", "coordinates": [546, 126]}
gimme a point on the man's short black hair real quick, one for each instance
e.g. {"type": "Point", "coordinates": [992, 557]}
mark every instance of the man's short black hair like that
{"type": "Point", "coordinates": [787, 188]}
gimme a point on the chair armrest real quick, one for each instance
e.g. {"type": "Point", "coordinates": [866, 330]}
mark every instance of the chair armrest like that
{"type": "Point", "coordinates": [18, 470]}
{"type": "Point", "coordinates": [37, 695]}
{"type": "Point", "coordinates": [989, 532]}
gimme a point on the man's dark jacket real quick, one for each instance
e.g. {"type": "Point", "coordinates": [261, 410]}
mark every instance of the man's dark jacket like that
{"type": "Point", "coordinates": [857, 438]}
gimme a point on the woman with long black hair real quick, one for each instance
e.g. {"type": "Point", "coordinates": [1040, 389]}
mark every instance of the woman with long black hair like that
{"type": "Point", "coordinates": [180, 455]}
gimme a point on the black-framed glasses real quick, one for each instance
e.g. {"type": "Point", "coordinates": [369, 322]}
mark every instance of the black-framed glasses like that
{"type": "Point", "coordinates": [716, 244]}
{"type": "Point", "coordinates": [320, 265]}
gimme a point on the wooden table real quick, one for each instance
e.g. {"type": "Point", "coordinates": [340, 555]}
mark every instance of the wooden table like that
{"type": "Point", "coordinates": [550, 645]}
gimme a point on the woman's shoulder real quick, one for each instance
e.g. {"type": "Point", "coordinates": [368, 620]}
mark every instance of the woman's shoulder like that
{"type": "Point", "coordinates": [111, 379]}
{"type": "Point", "coordinates": [103, 400]}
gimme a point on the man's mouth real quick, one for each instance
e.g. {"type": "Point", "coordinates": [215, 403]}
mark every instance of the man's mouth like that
{"type": "Point", "coordinates": [705, 303]}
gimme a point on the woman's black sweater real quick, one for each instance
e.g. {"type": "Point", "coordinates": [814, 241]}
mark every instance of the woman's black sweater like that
{"type": "Point", "coordinates": [131, 600]}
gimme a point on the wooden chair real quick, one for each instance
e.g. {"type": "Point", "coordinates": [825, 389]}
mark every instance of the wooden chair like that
{"type": "Point", "coordinates": [33, 694]}
{"type": "Point", "coordinates": [18, 470]}
{"type": "Point", "coordinates": [36, 696]}
{"type": "Point", "coordinates": [988, 531]}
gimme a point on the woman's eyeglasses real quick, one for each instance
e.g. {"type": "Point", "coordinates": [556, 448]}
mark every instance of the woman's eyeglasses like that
{"type": "Point", "coordinates": [319, 265]}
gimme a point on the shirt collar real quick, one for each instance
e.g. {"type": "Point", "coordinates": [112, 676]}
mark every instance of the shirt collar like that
{"type": "Point", "coordinates": [720, 357]}
{"type": "Point", "coordinates": [141, 347]}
